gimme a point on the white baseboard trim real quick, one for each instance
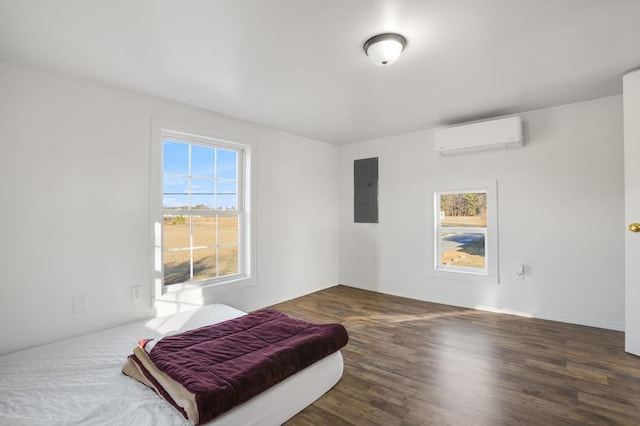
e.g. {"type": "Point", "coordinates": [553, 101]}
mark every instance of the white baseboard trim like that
{"type": "Point", "coordinates": [263, 303]}
{"type": "Point", "coordinates": [549, 316]}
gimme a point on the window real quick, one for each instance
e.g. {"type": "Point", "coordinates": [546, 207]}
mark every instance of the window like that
{"type": "Point", "coordinates": [465, 233]}
{"type": "Point", "coordinates": [462, 231]}
{"type": "Point", "coordinates": [203, 222]}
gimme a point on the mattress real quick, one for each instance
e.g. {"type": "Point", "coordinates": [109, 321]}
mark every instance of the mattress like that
{"type": "Point", "coordinates": [79, 381]}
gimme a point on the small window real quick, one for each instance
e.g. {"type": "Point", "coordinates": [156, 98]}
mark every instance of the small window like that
{"type": "Point", "coordinates": [465, 233]}
{"type": "Point", "coordinates": [462, 231]}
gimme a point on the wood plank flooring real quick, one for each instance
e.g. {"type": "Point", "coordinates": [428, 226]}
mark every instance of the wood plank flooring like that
{"type": "Point", "coordinates": [410, 362]}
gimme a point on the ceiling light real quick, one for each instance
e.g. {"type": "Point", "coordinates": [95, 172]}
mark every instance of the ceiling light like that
{"type": "Point", "coordinates": [384, 49]}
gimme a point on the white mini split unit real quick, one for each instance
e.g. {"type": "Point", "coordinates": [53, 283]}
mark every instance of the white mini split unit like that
{"type": "Point", "coordinates": [484, 135]}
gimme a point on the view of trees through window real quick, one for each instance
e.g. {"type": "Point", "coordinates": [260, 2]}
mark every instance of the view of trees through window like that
{"type": "Point", "coordinates": [462, 230]}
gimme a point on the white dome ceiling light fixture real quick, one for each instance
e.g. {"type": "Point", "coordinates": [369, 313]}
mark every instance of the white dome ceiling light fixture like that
{"type": "Point", "coordinates": [384, 49]}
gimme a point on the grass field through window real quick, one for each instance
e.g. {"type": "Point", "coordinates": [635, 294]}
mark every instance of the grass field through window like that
{"type": "Point", "coordinates": [215, 247]}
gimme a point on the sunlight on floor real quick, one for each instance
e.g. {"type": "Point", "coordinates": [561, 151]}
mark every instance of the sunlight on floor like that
{"type": "Point", "coordinates": [398, 318]}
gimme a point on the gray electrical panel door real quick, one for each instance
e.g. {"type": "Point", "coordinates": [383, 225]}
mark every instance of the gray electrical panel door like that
{"type": "Point", "coordinates": [365, 190]}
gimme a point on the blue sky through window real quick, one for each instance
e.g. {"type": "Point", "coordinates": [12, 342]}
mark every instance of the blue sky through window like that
{"type": "Point", "coordinates": [212, 180]}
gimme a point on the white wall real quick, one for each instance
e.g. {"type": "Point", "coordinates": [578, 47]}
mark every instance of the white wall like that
{"type": "Point", "coordinates": [74, 182]}
{"type": "Point", "coordinates": [560, 213]}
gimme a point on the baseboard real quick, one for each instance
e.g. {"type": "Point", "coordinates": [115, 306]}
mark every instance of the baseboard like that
{"type": "Point", "coordinates": [263, 303]}
{"type": "Point", "coordinates": [549, 316]}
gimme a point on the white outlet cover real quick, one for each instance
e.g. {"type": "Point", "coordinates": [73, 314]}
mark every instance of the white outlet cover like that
{"type": "Point", "coordinates": [136, 293]}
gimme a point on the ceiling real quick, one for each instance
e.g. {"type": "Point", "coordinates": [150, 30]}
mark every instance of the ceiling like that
{"type": "Point", "coordinates": [298, 65]}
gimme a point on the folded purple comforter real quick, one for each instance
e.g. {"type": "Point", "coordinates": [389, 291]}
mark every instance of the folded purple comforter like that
{"type": "Point", "coordinates": [226, 364]}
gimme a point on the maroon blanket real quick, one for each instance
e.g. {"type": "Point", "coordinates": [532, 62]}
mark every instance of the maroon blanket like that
{"type": "Point", "coordinates": [226, 364]}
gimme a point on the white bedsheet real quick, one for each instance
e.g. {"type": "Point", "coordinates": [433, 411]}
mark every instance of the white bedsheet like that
{"type": "Point", "coordinates": [79, 381]}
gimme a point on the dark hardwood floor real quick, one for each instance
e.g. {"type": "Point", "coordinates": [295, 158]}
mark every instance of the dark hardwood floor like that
{"type": "Point", "coordinates": [410, 362]}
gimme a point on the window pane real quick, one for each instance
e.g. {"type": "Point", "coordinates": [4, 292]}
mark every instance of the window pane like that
{"type": "Point", "coordinates": [201, 202]}
{"type": "Point", "coordinates": [204, 231]}
{"type": "Point", "coordinates": [202, 161]}
{"type": "Point", "coordinates": [227, 194]}
{"type": "Point", "coordinates": [172, 201]}
{"type": "Point", "coordinates": [462, 249]}
{"type": "Point", "coordinates": [176, 231]}
{"type": "Point", "coordinates": [202, 186]}
{"type": "Point", "coordinates": [227, 164]}
{"type": "Point", "coordinates": [177, 268]}
{"type": "Point", "coordinates": [464, 209]}
{"type": "Point", "coordinates": [228, 229]}
{"type": "Point", "coordinates": [202, 193]}
{"type": "Point", "coordinates": [228, 260]}
{"type": "Point", "coordinates": [226, 202]}
{"type": "Point", "coordinates": [175, 158]}
{"type": "Point", "coordinates": [175, 192]}
{"type": "Point", "coordinates": [204, 263]}
{"type": "Point", "coordinates": [175, 185]}
{"type": "Point", "coordinates": [227, 197]}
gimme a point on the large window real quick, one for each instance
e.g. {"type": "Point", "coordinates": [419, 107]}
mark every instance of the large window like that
{"type": "Point", "coordinates": [204, 226]}
{"type": "Point", "coordinates": [465, 232]}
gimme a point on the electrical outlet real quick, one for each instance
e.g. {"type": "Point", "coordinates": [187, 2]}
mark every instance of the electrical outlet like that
{"type": "Point", "coordinates": [136, 293]}
{"type": "Point", "coordinates": [79, 304]}
{"type": "Point", "coordinates": [519, 271]}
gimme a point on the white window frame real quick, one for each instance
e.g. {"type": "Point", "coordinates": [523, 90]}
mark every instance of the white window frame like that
{"type": "Point", "coordinates": [246, 252]}
{"type": "Point", "coordinates": [488, 274]}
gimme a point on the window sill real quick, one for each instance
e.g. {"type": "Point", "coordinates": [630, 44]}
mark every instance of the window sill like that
{"type": "Point", "coordinates": [176, 292]}
{"type": "Point", "coordinates": [465, 276]}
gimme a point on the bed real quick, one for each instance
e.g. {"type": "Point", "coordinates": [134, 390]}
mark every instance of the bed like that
{"type": "Point", "coordinates": [80, 380]}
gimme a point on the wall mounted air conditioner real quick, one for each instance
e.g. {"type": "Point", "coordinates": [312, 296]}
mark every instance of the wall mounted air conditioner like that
{"type": "Point", "coordinates": [492, 134]}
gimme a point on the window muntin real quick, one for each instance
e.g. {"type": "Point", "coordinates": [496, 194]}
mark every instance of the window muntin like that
{"type": "Point", "coordinates": [461, 231]}
{"type": "Point", "coordinates": [203, 215]}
